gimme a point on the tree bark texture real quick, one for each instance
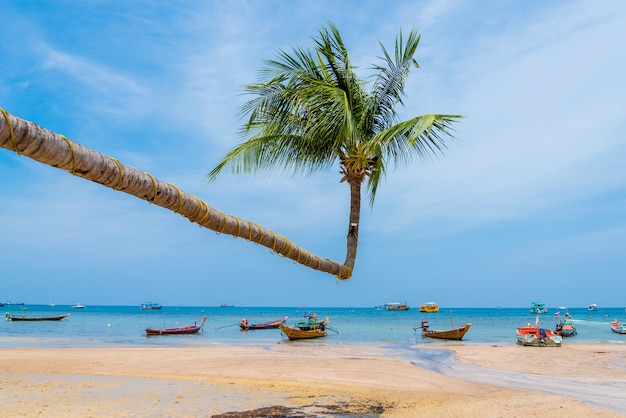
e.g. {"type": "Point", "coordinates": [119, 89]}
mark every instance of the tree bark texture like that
{"type": "Point", "coordinates": [352, 239]}
{"type": "Point", "coordinates": [28, 139]}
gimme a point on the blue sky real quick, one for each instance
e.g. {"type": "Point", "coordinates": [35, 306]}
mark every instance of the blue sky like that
{"type": "Point", "coordinates": [528, 203]}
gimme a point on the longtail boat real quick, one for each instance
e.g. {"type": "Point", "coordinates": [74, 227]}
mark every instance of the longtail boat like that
{"type": "Point", "coordinates": [299, 334]}
{"type": "Point", "coordinates": [618, 327]}
{"type": "Point", "coordinates": [35, 318]}
{"type": "Point", "coordinates": [187, 329]}
{"type": "Point", "coordinates": [565, 328]}
{"type": "Point", "coordinates": [450, 334]}
{"type": "Point", "coordinates": [245, 325]}
{"type": "Point", "coordinates": [310, 328]}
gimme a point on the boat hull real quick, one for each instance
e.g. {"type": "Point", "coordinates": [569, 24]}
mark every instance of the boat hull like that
{"type": "Point", "coordinates": [298, 334]}
{"type": "Point", "coordinates": [185, 330]}
{"type": "Point", "coordinates": [568, 331]}
{"type": "Point", "coordinates": [452, 334]}
{"type": "Point", "coordinates": [268, 325]}
{"type": "Point", "coordinates": [40, 318]}
{"type": "Point", "coordinates": [538, 337]}
{"type": "Point", "coordinates": [618, 327]}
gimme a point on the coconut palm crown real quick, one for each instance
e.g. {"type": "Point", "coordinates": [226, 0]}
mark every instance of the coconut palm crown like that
{"type": "Point", "coordinates": [310, 111]}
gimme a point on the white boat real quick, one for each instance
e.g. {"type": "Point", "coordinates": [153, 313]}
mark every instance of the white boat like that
{"type": "Point", "coordinates": [592, 307]}
{"type": "Point", "coordinates": [78, 306]}
{"type": "Point", "coordinates": [149, 306]}
{"type": "Point", "coordinates": [618, 327]}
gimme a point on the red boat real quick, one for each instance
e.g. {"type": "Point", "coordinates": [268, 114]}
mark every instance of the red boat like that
{"type": "Point", "coordinates": [187, 329]}
{"type": "Point", "coordinates": [538, 337]}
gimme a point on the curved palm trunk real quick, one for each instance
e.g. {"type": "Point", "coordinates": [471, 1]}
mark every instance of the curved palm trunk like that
{"type": "Point", "coordinates": [27, 138]}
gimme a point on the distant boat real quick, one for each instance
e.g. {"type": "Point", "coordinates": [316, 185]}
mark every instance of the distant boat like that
{"type": "Point", "coordinates": [538, 308]}
{"type": "Point", "coordinates": [618, 327]}
{"type": "Point", "coordinates": [35, 318]}
{"type": "Point", "coordinates": [149, 306]}
{"type": "Point", "coordinates": [451, 334]}
{"type": "Point", "coordinates": [592, 307]}
{"type": "Point", "coordinates": [12, 303]}
{"type": "Point", "coordinates": [395, 306]}
{"type": "Point", "coordinates": [187, 329]}
{"type": "Point", "coordinates": [224, 305]}
{"type": "Point", "coordinates": [79, 306]}
{"type": "Point", "coordinates": [429, 307]}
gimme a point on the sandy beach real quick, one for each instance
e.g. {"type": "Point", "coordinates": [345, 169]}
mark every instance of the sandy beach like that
{"type": "Point", "coordinates": [305, 381]}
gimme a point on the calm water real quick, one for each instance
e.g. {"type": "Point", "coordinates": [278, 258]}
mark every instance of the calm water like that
{"type": "Point", "coordinates": [103, 326]}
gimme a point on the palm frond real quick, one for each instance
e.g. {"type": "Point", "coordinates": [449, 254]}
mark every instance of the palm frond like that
{"type": "Point", "coordinates": [423, 136]}
{"type": "Point", "coordinates": [389, 86]}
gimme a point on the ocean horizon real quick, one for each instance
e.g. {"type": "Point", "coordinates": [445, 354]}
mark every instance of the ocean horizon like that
{"type": "Point", "coordinates": [124, 326]}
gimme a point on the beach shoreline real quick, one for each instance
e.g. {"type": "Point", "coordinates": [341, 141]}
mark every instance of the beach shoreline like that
{"type": "Point", "coordinates": [356, 380]}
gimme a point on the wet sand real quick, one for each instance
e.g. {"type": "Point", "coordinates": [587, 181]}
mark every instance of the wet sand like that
{"type": "Point", "coordinates": [305, 380]}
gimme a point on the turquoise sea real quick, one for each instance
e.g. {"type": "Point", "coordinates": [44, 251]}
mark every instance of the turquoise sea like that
{"type": "Point", "coordinates": [122, 326]}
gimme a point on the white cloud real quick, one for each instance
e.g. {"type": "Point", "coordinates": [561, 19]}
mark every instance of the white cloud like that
{"type": "Point", "coordinates": [540, 131]}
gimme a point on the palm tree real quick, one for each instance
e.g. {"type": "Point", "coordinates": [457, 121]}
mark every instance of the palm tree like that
{"type": "Point", "coordinates": [310, 111]}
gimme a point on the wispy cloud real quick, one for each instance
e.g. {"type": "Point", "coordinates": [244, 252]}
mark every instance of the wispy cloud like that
{"type": "Point", "coordinates": [540, 132]}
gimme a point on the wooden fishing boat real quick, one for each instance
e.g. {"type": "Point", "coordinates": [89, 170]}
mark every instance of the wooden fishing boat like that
{"type": "Point", "coordinates": [294, 333]}
{"type": "Point", "coordinates": [429, 307]}
{"type": "Point", "coordinates": [450, 334]}
{"type": "Point", "coordinates": [537, 337]}
{"type": "Point", "coordinates": [307, 329]}
{"type": "Point", "coordinates": [35, 318]}
{"type": "Point", "coordinates": [187, 329]}
{"type": "Point", "coordinates": [565, 328]}
{"type": "Point", "coordinates": [246, 326]}
{"type": "Point", "coordinates": [618, 327]}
